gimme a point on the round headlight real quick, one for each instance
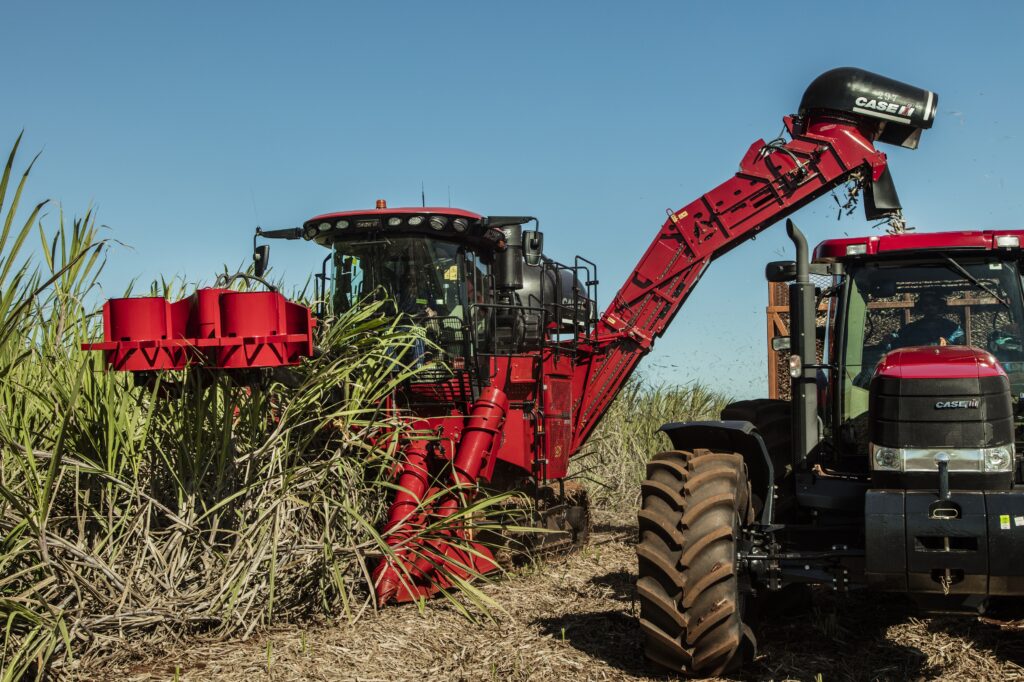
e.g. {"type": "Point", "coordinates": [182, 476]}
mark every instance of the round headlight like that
{"type": "Point", "coordinates": [438, 222]}
{"type": "Point", "coordinates": [394, 221]}
{"type": "Point", "coordinates": [460, 224]}
{"type": "Point", "coordinates": [888, 459]}
{"type": "Point", "coordinates": [415, 220]}
{"type": "Point", "coordinates": [997, 459]}
{"type": "Point", "coordinates": [341, 224]}
{"type": "Point", "coordinates": [323, 227]}
{"type": "Point", "coordinates": [310, 231]}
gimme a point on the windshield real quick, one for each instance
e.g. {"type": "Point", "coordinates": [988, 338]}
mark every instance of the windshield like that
{"type": "Point", "coordinates": [966, 301]}
{"type": "Point", "coordinates": [437, 285]}
{"type": "Point", "coordinates": [420, 274]}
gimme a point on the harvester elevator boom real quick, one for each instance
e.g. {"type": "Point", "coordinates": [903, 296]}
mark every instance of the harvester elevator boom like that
{"type": "Point", "coordinates": [828, 147]}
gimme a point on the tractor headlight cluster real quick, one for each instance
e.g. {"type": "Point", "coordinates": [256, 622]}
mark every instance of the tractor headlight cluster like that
{"type": "Point", "coordinates": [998, 459]}
{"type": "Point", "coordinates": [887, 459]}
{"type": "Point", "coordinates": [985, 460]}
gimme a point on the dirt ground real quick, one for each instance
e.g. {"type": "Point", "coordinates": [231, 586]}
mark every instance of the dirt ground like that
{"type": "Point", "coordinates": [573, 618]}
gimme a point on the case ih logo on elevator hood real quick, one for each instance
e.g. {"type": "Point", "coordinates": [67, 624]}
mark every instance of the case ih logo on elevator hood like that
{"type": "Point", "coordinates": [895, 108]}
{"type": "Point", "coordinates": [956, 404]}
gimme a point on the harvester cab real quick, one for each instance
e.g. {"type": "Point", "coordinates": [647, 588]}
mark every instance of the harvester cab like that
{"type": "Point", "coordinates": [479, 286]}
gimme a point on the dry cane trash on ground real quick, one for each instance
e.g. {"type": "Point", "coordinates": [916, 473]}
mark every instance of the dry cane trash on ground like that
{"type": "Point", "coordinates": [573, 618]}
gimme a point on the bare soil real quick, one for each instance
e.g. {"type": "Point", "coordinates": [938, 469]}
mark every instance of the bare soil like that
{"type": "Point", "coordinates": [573, 618]}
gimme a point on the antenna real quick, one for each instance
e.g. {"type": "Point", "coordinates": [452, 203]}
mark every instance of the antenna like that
{"type": "Point", "coordinates": [423, 195]}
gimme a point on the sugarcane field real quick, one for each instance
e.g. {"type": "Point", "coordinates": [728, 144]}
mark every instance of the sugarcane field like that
{"type": "Point", "coordinates": [356, 342]}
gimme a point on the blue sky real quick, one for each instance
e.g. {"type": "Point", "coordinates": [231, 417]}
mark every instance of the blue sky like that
{"type": "Point", "coordinates": [186, 124]}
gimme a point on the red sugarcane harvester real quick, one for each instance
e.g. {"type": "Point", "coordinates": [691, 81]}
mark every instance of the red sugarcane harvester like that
{"type": "Point", "coordinates": [892, 467]}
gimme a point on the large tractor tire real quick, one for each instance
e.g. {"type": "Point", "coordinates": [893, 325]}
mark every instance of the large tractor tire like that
{"type": "Point", "coordinates": [691, 608]}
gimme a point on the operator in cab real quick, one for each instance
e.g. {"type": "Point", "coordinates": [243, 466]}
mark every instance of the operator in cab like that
{"type": "Point", "coordinates": [933, 328]}
{"type": "Point", "coordinates": [413, 302]}
{"type": "Point", "coordinates": [413, 297]}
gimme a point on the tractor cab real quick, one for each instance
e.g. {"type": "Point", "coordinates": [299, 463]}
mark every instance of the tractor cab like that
{"type": "Point", "coordinates": [943, 292]}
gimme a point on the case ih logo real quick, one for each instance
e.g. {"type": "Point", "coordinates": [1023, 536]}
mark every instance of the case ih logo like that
{"type": "Point", "coordinates": [956, 404]}
{"type": "Point", "coordinates": [885, 107]}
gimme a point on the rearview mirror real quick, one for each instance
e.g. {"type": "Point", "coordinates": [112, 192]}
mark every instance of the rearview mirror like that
{"type": "Point", "coordinates": [780, 271]}
{"type": "Point", "coordinates": [260, 258]}
{"type": "Point", "coordinates": [533, 246]}
{"type": "Point", "coordinates": [780, 343]}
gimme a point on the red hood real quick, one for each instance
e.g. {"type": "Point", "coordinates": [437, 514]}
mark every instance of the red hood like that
{"type": "Point", "coordinates": [939, 362]}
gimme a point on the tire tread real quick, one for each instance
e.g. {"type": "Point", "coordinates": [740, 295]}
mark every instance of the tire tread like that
{"type": "Point", "coordinates": [690, 605]}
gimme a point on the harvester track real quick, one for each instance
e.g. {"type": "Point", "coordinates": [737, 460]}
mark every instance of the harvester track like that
{"type": "Point", "coordinates": [564, 515]}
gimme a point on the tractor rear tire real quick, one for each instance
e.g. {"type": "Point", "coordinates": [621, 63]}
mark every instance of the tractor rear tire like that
{"type": "Point", "coordinates": [774, 423]}
{"type": "Point", "coordinates": [691, 607]}
{"type": "Point", "coordinates": [773, 420]}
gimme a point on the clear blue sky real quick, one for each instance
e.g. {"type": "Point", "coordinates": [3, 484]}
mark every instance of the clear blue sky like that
{"type": "Point", "coordinates": [187, 123]}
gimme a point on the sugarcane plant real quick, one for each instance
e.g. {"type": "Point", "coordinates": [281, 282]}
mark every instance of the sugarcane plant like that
{"type": "Point", "coordinates": [191, 502]}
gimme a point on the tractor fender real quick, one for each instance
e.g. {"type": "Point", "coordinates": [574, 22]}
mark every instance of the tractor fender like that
{"type": "Point", "coordinates": [731, 436]}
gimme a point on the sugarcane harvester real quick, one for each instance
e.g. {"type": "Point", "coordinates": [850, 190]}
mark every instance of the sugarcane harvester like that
{"type": "Point", "coordinates": [529, 368]}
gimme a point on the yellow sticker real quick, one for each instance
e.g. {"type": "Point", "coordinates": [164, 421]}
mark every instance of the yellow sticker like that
{"type": "Point", "coordinates": [1004, 521]}
{"type": "Point", "coordinates": [452, 273]}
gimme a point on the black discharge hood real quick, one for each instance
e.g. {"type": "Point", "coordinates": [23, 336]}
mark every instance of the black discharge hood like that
{"type": "Point", "coordinates": [902, 110]}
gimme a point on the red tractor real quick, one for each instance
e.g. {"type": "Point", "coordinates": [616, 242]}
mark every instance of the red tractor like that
{"type": "Point", "coordinates": [893, 466]}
